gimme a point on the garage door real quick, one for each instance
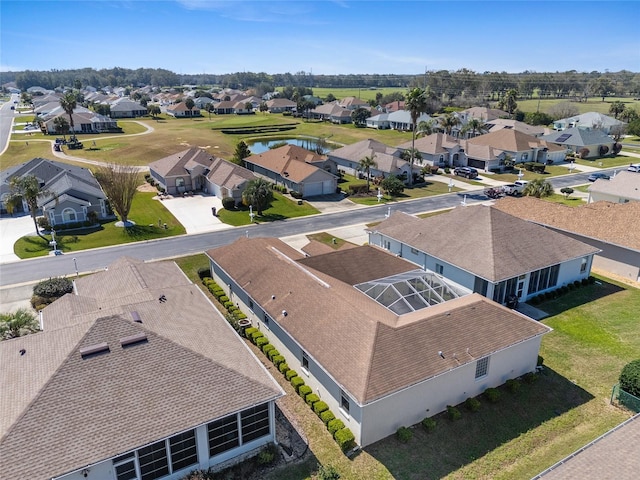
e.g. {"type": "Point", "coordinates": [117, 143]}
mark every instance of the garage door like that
{"type": "Point", "coordinates": [312, 189]}
{"type": "Point", "coordinates": [328, 187]}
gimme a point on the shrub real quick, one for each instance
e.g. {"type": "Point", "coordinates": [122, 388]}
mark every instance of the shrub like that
{"type": "Point", "coordinates": [204, 272]}
{"type": "Point", "coordinates": [43, 223]}
{"type": "Point", "coordinates": [256, 335]}
{"type": "Point", "coordinates": [261, 342]}
{"type": "Point", "coordinates": [223, 299]}
{"type": "Point", "coordinates": [584, 152]}
{"type": "Point", "coordinates": [277, 360]}
{"type": "Point", "coordinates": [356, 188]}
{"type": "Point", "coordinates": [304, 390]}
{"type": "Point", "coordinates": [345, 439]}
{"type": "Point", "coordinates": [428, 423]}
{"type": "Point", "coordinates": [228, 203]}
{"type": "Point", "coordinates": [577, 283]}
{"type": "Point", "coordinates": [630, 378]}
{"type": "Point", "coordinates": [239, 315]}
{"type": "Point", "coordinates": [540, 361]}
{"type": "Point", "coordinates": [267, 348]}
{"type": "Point", "coordinates": [283, 367]}
{"type": "Point", "coordinates": [296, 195]}
{"type": "Point", "coordinates": [290, 374]}
{"type": "Point", "coordinates": [320, 407]}
{"type": "Point", "coordinates": [585, 282]}
{"type": "Point", "coordinates": [327, 473]}
{"type": "Point", "coordinates": [492, 394]}
{"type": "Point", "coordinates": [53, 288]}
{"type": "Point", "coordinates": [513, 385]}
{"type": "Point", "coordinates": [453, 413]}
{"type": "Point", "coordinates": [404, 434]}
{"type": "Point", "coordinates": [312, 399]}
{"type": "Point", "coordinates": [296, 383]}
{"type": "Point", "coordinates": [334, 425]}
{"type": "Point", "coordinates": [248, 331]}
{"type": "Point", "coordinates": [327, 416]}
{"type": "Point", "coordinates": [472, 404]}
{"type": "Point", "coordinates": [530, 378]}
{"type": "Point", "coordinates": [273, 353]}
{"type": "Point", "coordinates": [228, 304]}
{"type": "Point", "coordinates": [266, 457]}
{"type": "Point", "coordinates": [591, 280]}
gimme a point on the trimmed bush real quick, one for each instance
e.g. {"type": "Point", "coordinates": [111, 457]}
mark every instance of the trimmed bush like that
{"type": "Point", "coordinates": [283, 367]}
{"type": "Point", "coordinates": [249, 330]}
{"type": "Point", "coordinates": [290, 374]}
{"type": "Point", "coordinates": [304, 390]}
{"type": "Point", "coordinates": [273, 353]}
{"type": "Point", "coordinates": [428, 424]}
{"type": "Point", "coordinates": [345, 439]}
{"type": "Point", "coordinates": [453, 413]}
{"type": "Point", "coordinates": [320, 407]}
{"type": "Point", "coordinates": [513, 385]}
{"type": "Point", "coordinates": [311, 399]}
{"type": "Point", "coordinates": [239, 315]}
{"type": "Point", "coordinates": [472, 404]}
{"type": "Point", "coordinates": [261, 342]}
{"type": "Point", "coordinates": [327, 472]}
{"type": "Point", "coordinates": [204, 272]}
{"type": "Point", "coordinates": [530, 378]}
{"type": "Point", "coordinates": [228, 203]}
{"type": "Point", "coordinates": [540, 361]}
{"type": "Point", "coordinates": [492, 394]}
{"type": "Point", "coordinates": [256, 335]}
{"type": "Point", "coordinates": [577, 283]}
{"type": "Point", "coordinates": [223, 299]}
{"type": "Point", "coordinates": [228, 305]}
{"type": "Point", "coordinates": [404, 434]}
{"type": "Point", "coordinates": [630, 378]}
{"type": "Point", "coordinates": [334, 425]}
{"type": "Point", "coordinates": [296, 383]}
{"type": "Point", "coordinates": [327, 416]}
{"type": "Point", "coordinates": [277, 360]}
{"type": "Point", "coordinates": [53, 288]}
{"type": "Point", "coordinates": [585, 282]}
{"type": "Point", "coordinates": [267, 348]}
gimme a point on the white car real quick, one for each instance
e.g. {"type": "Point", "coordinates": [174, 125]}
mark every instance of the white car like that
{"type": "Point", "coordinates": [634, 168]}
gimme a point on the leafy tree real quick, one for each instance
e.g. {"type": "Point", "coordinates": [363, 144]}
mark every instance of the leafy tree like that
{"type": "Point", "coordinates": [263, 107]}
{"type": "Point", "coordinates": [248, 106]}
{"type": "Point", "coordinates": [68, 102]}
{"type": "Point", "coordinates": [634, 127]}
{"type": "Point", "coordinates": [616, 108]}
{"type": "Point", "coordinates": [601, 87]}
{"type": "Point", "coordinates": [366, 163]}
{"type": "Point", "coordinates": [154, 110]}
{"type": "Point", "coordinates": [416, 104]}
{"type": "Point", "coordinates": [62, 126]}
{"type": "Point", "coordinates": [303, 106]}
{"type": "Point", "coordinates": [28, 189]}
{"type": "Point", "coordinates": [189, 103]}
{"type": "Point", "coordinates": [359, 116]}
{"type": "Point", "coordinates": [18, 323]}
{"type": "Point", "coordinates": [120, 183]}
{"type": "Point", "coordinates": [538, 188]}
{"type": "Point", "coordinates": [629, 115]}
{"type": "Point", "coordinates": [563, 110]}
{"type": "Point", "coordinates": [330, 98]}
{"type": "Point", "coordinates": [630, 378]}
{"type": "Point", "coordinates": [566, 191]}
{"type": "Point", "coordinates": [241, 152]}
{"type": "Point", "coordinates": [392, 185]}
{"type": "Point", "coordinates": [537, 118]}
{"type": "Point", "coordinates": [508, 101]}
{"type": "Point", "coordinates": [258, 193]}
{"type": "Point", "coordinates": [102, 109]}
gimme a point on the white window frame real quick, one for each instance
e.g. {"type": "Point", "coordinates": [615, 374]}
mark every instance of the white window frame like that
{"type": "Point", "coordinates": [305, 360]}
{"type": "Point", "coordinates": [344, 398]}
{"type": "Point", "coordinates": [583, 264]}
{"type": "Point", "coordinates": [482, 368]}
{"type": "Point", "coordinates": [439, 269]}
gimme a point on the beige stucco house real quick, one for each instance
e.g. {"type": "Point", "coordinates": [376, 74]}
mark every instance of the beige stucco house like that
{"type": "Point", "coordinates": [623, 187]}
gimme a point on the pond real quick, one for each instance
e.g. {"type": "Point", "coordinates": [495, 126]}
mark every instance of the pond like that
{"type": "Point", "coordinates": [310, 143]}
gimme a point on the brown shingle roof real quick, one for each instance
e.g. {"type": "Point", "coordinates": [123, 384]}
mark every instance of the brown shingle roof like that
{"type": "Point", "coordinates": [605, 221]}
{"type": "Point", "coordinates": [434, 143]}
{"type": "Point", "coordinates": [352, 336]}
{"type": "Point", "coordinates": [70, 412]}
{"type": "Point", "coordinates": [229, 175]}
{"type": "Point", "coordinates": [178, 163]}
{"type": "Point", "coordinates": [511, 141]}
{"type": "Point", "coordinates": [487, 242]}
{"type": "Point", "coordinates": [289, 161]}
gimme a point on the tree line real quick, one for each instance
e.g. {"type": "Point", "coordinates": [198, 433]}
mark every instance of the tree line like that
{"type": "Point", "coordinates": [445, 84]}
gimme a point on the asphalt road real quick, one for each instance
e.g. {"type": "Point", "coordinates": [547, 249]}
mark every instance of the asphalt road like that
{"type": "Point", "coordinates": [6, 120]}
{"type": "Point", "coordinates": [36, 269]}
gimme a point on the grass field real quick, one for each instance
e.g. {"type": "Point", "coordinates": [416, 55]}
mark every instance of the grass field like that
{"type": "Point", "coordinates": [280, 209]}
{"type": "Point", "coordinates": [595, 334]}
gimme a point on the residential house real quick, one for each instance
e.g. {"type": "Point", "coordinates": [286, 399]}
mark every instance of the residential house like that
{"type": "Point", "coordinates": [202, 102]}
{"type": "Point", "coordinates": [381, 341]}
{"type": "Point", "coordinates": [196, 169]}
{"type": "Point", "coordinates": [388, 161]}
{"type": "Point", "coordinates": [332, 112]}
{"type": "Point", "coordinates": [401, 120]}
{"type": "Point", "coordinates": [125, 108]}
{"type": "Point", "coordinates": [315, 100]}
{"type": "Point", "coordinates": [487, 251]}
{"type": "Point", "coordinates": [38, 101]}
{"type": "Point", "coordinates": [438, 149]}
{"type": "Point", "coordinates": [394, 106]}
{"type": "Point", "coordinates": [483, 114]}
{"type": "Point", "coordinates": [280, 105]}
{"type": "Point", "coordinates": [500, 123]}
{"type": "Point", "coordinates": [353, 103]}
{"type": "Point", "coordinates": [623, 187]}
{"type": "Point", "coordinates": [74, 193]}
{"type": "Point", "coordinates": [583, 141]}
{"type": "Point", "coordinates": [180, 110]}
{"type": "Point", "coordinates": [379, 122]}
{"type": "Point", "coordinates": [603, 225]}
{"type": "Point", "coordinates": [590, 120]}
{"type": "Point", "coordinates": [134, 375]}
{"type": "Point", "coordinates": [297, 168]}
{"type": "Point", "coordinates": [490, 151]}
{"type": "Point", "coordinates": [84, 121]}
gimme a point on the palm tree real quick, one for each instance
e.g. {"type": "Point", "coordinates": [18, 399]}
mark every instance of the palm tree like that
{"type": "Point", "coordinates": [18, 323]}
{"type": "Point", "coordinates": [538, 188]}
{"type": "Point", "coordinates": [189, 103]}
{"type": "Point", "coordinates": [474, 125]}
{"type": "Point", "coordinates": [258, 193]}
{"type": "Point", "coordinates": [28, 189]}
{"type": "Point", "coordinates": [69, 102]}
{"type": "Point", "coordinates": [416, 104]}
{"type": "Point", "coordinates": [448, 121]}
{"type": "Point", "coordinates": [616, 108]}
{"type": "Point", "coordinates": [408, 153]}
{"type": "Point", "coordinates": [366, 163]}
{"type": "Point", "coordinates": [426, 128]}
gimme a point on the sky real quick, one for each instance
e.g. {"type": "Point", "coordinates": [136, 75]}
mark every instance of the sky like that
{"type": "Point", "coordinates": [320, 37]}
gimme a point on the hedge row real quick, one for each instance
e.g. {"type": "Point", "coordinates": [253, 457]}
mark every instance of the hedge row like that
{"type": "Point", "coordinates": [563, 290]}
{"type": "Point", "coordinates": [234, 314]}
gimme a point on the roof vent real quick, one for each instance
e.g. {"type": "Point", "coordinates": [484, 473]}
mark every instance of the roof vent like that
{"type": "Point", "coordinates": [22, 351]}
{"type": "Point", "coordinates": [133, 339]}
{"type": "Point", "coordinates": [136, 317]}
{"type": "Point", "coordinates": [94, 349]}
{"type": "Point", "coordinates": [284, 313]}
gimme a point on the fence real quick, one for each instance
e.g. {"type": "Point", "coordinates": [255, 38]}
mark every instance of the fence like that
{"type": "Point", "coordinates": [626, 399]}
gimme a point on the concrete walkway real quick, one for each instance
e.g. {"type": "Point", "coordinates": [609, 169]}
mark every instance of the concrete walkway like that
{"type": "Point", "coordinates": [11, 230]}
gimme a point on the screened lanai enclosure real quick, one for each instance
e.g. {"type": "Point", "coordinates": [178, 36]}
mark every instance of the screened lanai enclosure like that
{"type": "Point", "coordinates": [411, 291]}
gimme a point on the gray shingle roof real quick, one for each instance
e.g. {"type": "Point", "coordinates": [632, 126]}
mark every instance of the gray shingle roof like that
{"type": "Point", "coordinates": [578, 137]}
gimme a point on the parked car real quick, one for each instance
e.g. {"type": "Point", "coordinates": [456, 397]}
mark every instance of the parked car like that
{"type": "Point", "coordinates": [595, 176]}
{"type": "Point", "coordinates": [634, 168]}
{"type": "Point", "coordinates": [466, 172]}
{"type": "Point", "coordinates": [515, 188]}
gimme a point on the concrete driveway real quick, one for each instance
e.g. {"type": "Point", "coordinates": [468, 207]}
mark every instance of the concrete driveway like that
{"type": "Point", "coordinates": [194, 212]}
{"type": "Point", "coordinates": [12, 229]}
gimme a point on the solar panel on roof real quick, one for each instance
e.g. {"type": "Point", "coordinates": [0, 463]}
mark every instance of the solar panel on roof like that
{"type": "Point", "coordinates": [563, 138]}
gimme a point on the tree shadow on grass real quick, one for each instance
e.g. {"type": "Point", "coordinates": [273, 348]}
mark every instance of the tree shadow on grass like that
{"type": "Point", "coordinates": [579, 296]}
{"type": "Point", "coordinates": [271, 217]}
{"type": "Point", "coordinates": [35, 244]}
{"type": "Point", "coordinates": [454, 444]}
{"type": "Point", "coordinates": [142, 232]}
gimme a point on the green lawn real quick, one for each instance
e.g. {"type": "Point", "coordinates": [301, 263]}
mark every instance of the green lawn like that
{"type": "Point", "coordinates": [280, 209]}
{"type": "Point", "coordinates": [595, 334]}
{"type": "Point", "coordinates": [593, 104]}
{"type": "Point", "coordinates": [145, 212]}
{"type": "Point", "coordinates": [572, 201]}
{"type": "Point", "coordinates": [550, 171]}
